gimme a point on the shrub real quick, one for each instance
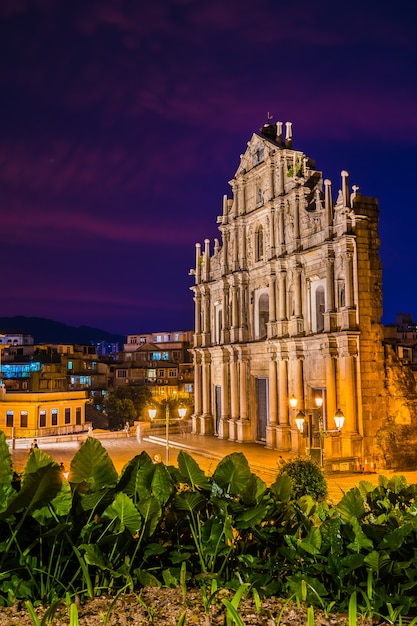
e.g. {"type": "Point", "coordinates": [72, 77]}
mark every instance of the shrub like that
{"type": "Point", "coordinates": [306, 476]}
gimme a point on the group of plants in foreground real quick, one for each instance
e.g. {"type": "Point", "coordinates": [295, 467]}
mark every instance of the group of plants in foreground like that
{"type": "Point", "coordinates": [96, 532]}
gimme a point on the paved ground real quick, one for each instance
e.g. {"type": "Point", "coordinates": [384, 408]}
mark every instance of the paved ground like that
{"type": "Point", "coordinates": [207, 451]}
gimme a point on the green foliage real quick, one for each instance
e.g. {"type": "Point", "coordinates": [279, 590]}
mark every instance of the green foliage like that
{"type": "Point", "coordinates": [103, 533]}
{"type": "Point", "coordinates": [126, 404]}
{"type": "Point", "coordinates": [307, 478]}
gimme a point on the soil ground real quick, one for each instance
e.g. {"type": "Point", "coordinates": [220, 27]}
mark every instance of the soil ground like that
{"type": "Point", "coordinates": [164, 607]}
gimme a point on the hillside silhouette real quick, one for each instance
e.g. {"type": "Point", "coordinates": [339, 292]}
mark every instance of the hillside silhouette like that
{"type": "Point", "coordinates": [50, 331]}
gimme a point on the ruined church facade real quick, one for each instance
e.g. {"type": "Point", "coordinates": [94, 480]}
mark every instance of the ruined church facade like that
{"type": "Point", "coordinates": [288, 304]}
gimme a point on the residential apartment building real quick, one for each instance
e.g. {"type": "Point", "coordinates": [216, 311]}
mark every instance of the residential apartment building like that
{"type": "Point", "coordinates": [161, 361]}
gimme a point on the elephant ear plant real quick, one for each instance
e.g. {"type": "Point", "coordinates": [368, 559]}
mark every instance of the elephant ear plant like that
{"type": "Point", "coordinates": [213, 516]}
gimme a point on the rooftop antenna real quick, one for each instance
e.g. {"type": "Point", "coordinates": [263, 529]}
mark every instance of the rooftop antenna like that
{"type": "Point", "coordinates": [269, 117]}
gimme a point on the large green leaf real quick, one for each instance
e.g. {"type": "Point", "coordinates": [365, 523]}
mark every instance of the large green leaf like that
{"type": "Point", "coordinates": [253, 491]}
{"type": "Point", "coordinates": [192, 473]}
{"type": "Point", "coordinates": [60, 506]}
{"type": "Point", "coordinates": [128, 481]}
{"type": "Point", "coordinates": [395, 539]}
{"type": "Point", "coordinates": [351, 505]}
{"type": "Point", "coordinates": [94, 556]}
{"type": "Point", "coordinates": [397, 483]}
{"type": "Point", "coordinates": [6, 473]}
{"type": "Point", "coordinates": [151, 512]}
{"type": "Point", "coordinates": [190, 501]}
{"type": "Point", "coordinates": [365, 487]}
{"type": "Point", "coordinates": [233, 473]}
{"type": "Point", "coordinates": [91, 468]}
{"type": "Point", "coordinates": [312, 543]}
{"type": "Point", "coordinates": [253, 516]}
{"type": "Point", "coordinates": [124, 513]}
{"type": "Point", "coordinates": [40, 484]}
{"type": "Point", "coordinates": [282, 488]}
{"type": "Point", "coordinates": [376, 560]}
{"type": "Point", "coordinates": [162, 485]}
{"type": "Point", "coordinates": [361, 541]}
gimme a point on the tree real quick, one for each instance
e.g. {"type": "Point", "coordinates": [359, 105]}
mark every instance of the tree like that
{"type": "Point", "coordinates": [119, 411]}
{"type": "Point", "coordinates": [126, 404]}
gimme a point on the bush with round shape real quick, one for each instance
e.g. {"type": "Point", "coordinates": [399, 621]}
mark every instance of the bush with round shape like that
{"type": "Point", "coordinates": [307, 477]}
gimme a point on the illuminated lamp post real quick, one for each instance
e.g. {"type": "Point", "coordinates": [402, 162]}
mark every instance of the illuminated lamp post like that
{"type": "Point", "coordinates": [182, 411]}
{"type": "Point", "coordinates": [306, 429]}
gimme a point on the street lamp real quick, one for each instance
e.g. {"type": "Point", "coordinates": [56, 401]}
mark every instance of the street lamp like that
{"type": "Point", "coordinates": [339, 419]}
{"type": "Point", "coordinates": [182, 411]}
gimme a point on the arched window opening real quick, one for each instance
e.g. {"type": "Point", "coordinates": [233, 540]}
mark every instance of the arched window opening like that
{"type": "Point", "coordinates": [259, 197]}
{"type": "Point", "coordinates": [341, 293]}
{"type": "Point", "coordinates": [320, 308]}
{"type": "Point", "coordinates": [263, 314]}
{"type": "Point", "coordinates": [259, 244]}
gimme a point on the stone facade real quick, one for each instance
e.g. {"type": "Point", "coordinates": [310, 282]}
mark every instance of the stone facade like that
{"type": "Point", "coordinates": [289, 304]}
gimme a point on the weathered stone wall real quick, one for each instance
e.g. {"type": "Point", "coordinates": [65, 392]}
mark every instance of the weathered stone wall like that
{"type": "Point", "coordinates": [396, 440]}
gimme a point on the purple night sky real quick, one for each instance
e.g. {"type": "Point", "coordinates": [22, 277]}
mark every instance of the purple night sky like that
{"type": "Point", "coordinates": [122, 122]}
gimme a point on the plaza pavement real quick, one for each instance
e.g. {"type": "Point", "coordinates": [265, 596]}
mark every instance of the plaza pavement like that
{"type": "Point", "coordinates": [206, 450]}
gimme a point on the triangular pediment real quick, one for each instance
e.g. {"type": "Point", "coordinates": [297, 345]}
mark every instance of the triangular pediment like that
{"type": "Point", "coordinates": [253, 155]}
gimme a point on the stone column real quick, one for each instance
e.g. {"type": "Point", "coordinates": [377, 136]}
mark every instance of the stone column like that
{"type": "Point", "coordinates": [236, 193]}
{"type": "Point", "coordinates": [273, 403]}
{"type": "Point", "coordinates": [225, 315]}
{"type": "Point", "coordinates": [234, 398]}
{"type": "Point", "coordinates": [297, 441]}
{"type": "Point", "coordinates": [272, 304]}
{"type": "Point", "coordinates": [197, 263]}
{"type": "Point", "coordinates": [206, 419]}
{"type": "Point", "coordinates": [235, 249]}
{"type": "Point", "coordinates": [350, 439]}
{"type": "Point", "coordinates": [235, 307]}
{"type": "Point", "coordinates": [243, 425]}
{"type": "Point", "coordinates": [243, 246]}
{"type": "Point", "coordinates": [272, 233]}
{"type": "Point", "coordinates": [283, 428]}
{"type": "Point", "coordinates": [271, 181]}
{"type": "Point", "coordinates": [330, 284]}
{"type": "Point", "coordinates": [281, 229]}
{"type": "Point", "coordinates": [331, 391]}
{"type": "Point", "coordinates": [328, 203]}
{"type": "Point", "coordinates": [282, 313]}
{"type": "Point", "coordinates": [296, 213]}
{"type": "Point", "coordinates": [223, 427]}
{"type": "Point", "coordinates": [197, 301]}
{"type": "Point", "coordinates": [206, 317]}
{"type": "Point", "coordinates": [349, 279]}
{"type": "Point", "coordinates": [345, 188]}
{"type": "Point", "coordinates": [297, 292]}
{"type": "Point", "coordinates": [198, 407]}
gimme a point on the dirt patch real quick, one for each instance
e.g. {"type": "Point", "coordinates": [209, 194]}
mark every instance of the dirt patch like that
{"type": "Point", "coordinates": [164, 607]}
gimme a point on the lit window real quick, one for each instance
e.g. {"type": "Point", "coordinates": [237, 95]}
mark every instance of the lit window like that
{"type": "Point", "coordinates": [42, 419]}
{"type": "Point", "coordinates": [54, 417]}
{"type": "Point", "coordinates": [172, 373]}
{"type": "Point", "coordinates": [23, 419]}
{"type": "Point", "coordinates": [9, 419]}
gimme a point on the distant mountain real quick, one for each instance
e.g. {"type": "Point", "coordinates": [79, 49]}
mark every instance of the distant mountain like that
{"type": "Point", "coordinates": [48, 331]}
